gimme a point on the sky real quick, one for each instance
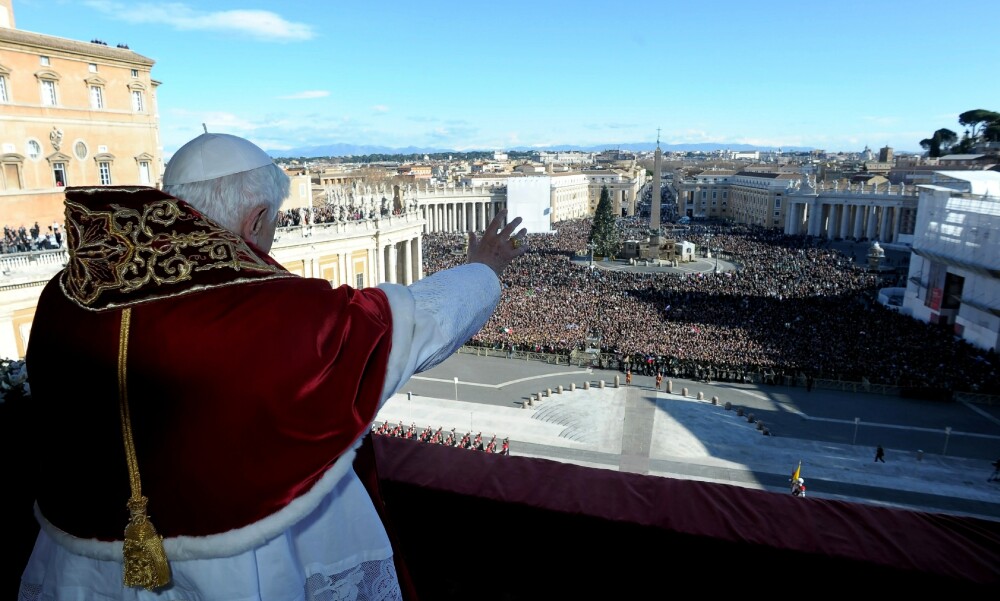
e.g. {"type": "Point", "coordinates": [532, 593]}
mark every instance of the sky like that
{"type": "Point", "coordinates": [496, 76]}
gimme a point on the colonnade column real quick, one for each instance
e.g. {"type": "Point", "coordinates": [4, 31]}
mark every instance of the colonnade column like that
{"type": "Point", "coordinates": [481, 209]}
{"type": "Point", "coordinates": [390, 270]}
{"type": "Point", "coordinates": [859, 216]}
{"type": "Point", "coordinates": [872, 223]}
{"type": "Point", "coordinates": [884, 229]}
{"type": "Point", "coordinates": [815, 218]}
{"type": "Point", "coordinates": [418, 257]}
{"type": "Point", "coordinates": [831, 222]}
{"type": "Point", "coordinates": [897, 215]}
{"type": "Point", "coordinates": [404, 248]}
{"type": "Point", "coordinates": [793, 209]}
{"type": "Point", "coordinates": [845, 220]}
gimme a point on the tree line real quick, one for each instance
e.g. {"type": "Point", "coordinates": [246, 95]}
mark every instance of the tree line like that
{"type": "Point", "coordinates": [981, 126]}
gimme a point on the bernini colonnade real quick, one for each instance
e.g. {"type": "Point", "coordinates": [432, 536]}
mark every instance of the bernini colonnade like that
{"type": "Point", "coordinates": [459, 209]}
{"type": "Point", "coordinates": [886, 213]}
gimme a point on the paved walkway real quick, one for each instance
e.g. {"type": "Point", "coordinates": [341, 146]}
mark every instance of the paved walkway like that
{"type": "Point", "coordinates": [639, 429]}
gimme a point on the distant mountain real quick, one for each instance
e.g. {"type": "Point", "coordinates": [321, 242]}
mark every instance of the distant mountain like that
{"type": "Point", "coordinates": [343, 150]}
{"type": "Point", "coordinates": [340, 150]}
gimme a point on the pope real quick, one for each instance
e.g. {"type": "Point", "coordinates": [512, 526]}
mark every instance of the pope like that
{"type": "Point", "coordinates": [203, 407]}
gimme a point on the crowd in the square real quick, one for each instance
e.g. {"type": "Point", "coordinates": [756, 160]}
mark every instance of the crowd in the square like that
{"type": "Point", "coordinates": [793, 307]}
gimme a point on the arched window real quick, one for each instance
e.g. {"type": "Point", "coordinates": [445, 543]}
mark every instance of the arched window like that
{"type": "Point", "coordinates": [34, 149]}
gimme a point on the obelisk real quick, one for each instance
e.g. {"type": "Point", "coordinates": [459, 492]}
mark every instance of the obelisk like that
{"type": "Point", "coordinates": [654, 201]}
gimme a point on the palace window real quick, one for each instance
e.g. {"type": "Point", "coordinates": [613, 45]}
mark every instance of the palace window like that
{"type": "Point", "coordinates": [44, 61]}
{"type": "Point", "coordinates": [359, 281]}
{"type": "Point", "coordinates": [104, 169]}
{"type": "Point", "coordinates": [48, 81]}
{"type": "Point", "coordinates": [104, 159]}
{"type": "Point", "coordinates": [96, 97]}
{"type": "Point", "coordinates": [92, 67]}
{"type": "Point", "coordinates": [144, 173]}
{"type": "Point", "coordinates": [48, 92]}
{"type": "Point", "coordinates": [135, 73]}
{"type": "Point", "coordinates": [34, 149]}
{"type": "Point", "coordinates": [59, 174]}
{"type": "Point", "coordinates": [4, 94]}
{"type": "Point", "coordinates": [138, 102]}
{"type": "Point", "coordinates": [96, 87]}
{"type": "Point", "coordinates": [10, 174]}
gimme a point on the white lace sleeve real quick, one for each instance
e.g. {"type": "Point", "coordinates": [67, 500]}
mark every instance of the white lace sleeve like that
{"type": "Point", "coordinates": [433, 317]}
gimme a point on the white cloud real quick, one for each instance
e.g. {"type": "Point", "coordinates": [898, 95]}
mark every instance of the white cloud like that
{"type": "Point", "coordinates": [259, 24]}
{"type": "Point", "coordinates": [305, 95]}
{"type": "Point", "coordinates": [380, 108]}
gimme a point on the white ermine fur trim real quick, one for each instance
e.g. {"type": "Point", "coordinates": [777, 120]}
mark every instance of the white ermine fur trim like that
{"type": "Point", "coordinates": [224, 544]}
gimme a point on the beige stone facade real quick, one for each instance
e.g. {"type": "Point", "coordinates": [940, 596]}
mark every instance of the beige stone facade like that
{"type": "Point", "coordinates": [569, 197]}
{"type": "Point", "coordinates": [71, 114]}
{"type": "Point", "coordinates": [754, 196]}
{"type": "Point", "coordinates": [623, 185]}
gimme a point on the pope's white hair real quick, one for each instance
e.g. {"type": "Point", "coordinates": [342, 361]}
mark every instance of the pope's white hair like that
{"type": "Point", "coordinates": [226, 200]}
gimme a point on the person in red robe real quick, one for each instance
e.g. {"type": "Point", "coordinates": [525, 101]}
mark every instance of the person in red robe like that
{"type": "Point", "coordinates": [204, 407]}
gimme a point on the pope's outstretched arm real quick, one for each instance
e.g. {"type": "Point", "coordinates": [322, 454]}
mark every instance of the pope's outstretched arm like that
{"type": "Point", "coordinates": [433, 317]}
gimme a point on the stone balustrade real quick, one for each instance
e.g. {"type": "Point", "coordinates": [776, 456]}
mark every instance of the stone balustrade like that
{"type": "Point", "coordinates": [45, 260]}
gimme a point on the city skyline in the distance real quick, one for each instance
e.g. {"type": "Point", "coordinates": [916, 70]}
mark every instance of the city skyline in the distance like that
{"type": "Point", "coordinates": [459, 76]}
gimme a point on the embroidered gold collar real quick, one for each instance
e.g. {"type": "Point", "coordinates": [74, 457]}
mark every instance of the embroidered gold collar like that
{"type": "Point", "coordinates": [134, 244]}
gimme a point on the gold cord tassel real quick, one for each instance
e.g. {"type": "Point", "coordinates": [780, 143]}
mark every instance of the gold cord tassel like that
{"type": "Point", "coordinates": [145, 560]}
